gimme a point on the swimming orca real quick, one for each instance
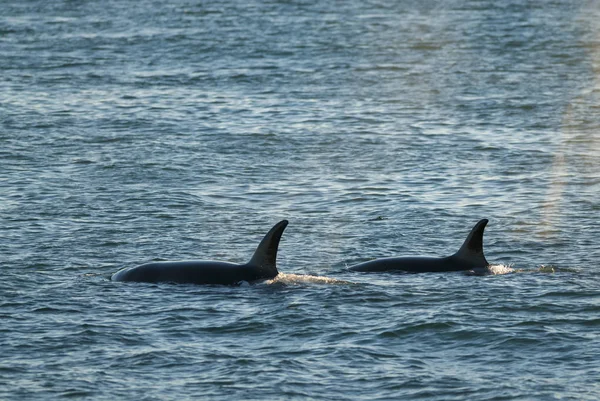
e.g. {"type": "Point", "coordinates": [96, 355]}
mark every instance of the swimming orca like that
{"type": "Point", "coordinates": [261, 266]}
{"type": "Point", "coordinates": [469, 256]}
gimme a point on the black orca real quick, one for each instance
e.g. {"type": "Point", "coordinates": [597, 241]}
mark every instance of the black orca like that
{"type": "Point", "coordinates": [262, 266]}
{"type": "Point", "coordinates": [469, 256]}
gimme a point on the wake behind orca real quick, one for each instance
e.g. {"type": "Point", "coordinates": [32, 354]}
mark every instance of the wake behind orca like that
{"type": "Point", "coordinates": [469, 256]}
{"type": "Point", "coordinates": [261, 266]}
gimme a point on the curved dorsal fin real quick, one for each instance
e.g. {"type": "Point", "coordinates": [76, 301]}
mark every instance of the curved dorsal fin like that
{"type": "Point", "coordinates": [472, 248]}
{"type": "Point", "coordinates": [265, 256]}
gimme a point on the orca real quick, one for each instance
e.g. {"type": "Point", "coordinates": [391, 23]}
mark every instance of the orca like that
{"type": "Point", "coordinates": [261, 266]}
{"type": "Point", "coordinates": [469, 256]}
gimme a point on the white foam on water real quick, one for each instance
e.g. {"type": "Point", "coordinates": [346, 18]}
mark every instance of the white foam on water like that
{"type": "Point", "coordinates": [290, 279]}
{"type": "Point", "coordinates": [491, 270]}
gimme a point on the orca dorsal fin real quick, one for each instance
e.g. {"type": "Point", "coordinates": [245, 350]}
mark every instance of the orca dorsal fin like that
{"type": "Point", "coordinates": [472, 249]}
{"type": "Point", "coordinates": [265, 256]}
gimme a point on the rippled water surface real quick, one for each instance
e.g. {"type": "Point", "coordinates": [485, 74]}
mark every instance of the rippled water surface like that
{"type": "Point", "coordinates": [133, 131]}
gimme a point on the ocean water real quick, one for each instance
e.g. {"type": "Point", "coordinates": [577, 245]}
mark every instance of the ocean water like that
{"type": "Point", "coordinates": [133, 131]}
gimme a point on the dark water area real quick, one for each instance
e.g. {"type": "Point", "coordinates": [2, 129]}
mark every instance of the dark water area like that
{"type": "Point", "coordinates": [142, 131]}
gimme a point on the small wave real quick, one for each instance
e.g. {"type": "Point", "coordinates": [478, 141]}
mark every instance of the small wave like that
{"type": "Point", "coordinates": [547, 269]}
{"type": "Point", "coordinates": [491, 270]}
{"type": "Point", "coordinates": [504, 269]}
{"type": "Point", "coordinates": [291, 279]}
{"type": "Point", "coordinates": [555, 269]}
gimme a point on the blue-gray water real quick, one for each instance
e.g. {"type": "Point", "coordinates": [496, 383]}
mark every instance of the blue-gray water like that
{"type": "Point", "coordinates": [133, 131]}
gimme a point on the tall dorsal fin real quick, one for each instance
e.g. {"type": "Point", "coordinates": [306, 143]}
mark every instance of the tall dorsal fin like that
{"type": "Point", "coordinates": [265, 256]}
{"type": "Point", "coordinates": [472, 249]}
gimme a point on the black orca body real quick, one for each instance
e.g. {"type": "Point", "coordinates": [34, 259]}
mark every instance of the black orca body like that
{"type": "Point", "coordinates": [262, 266]}
{"type": "Point", "coordinates": [469, 256]}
